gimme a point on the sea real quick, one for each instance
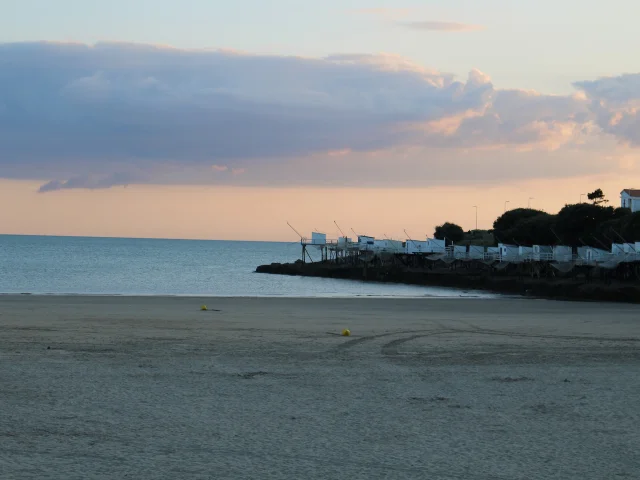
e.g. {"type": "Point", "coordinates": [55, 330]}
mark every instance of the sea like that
{"type": "Point", "coordinates": [50, 265]}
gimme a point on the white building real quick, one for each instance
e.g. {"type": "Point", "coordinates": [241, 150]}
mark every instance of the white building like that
{"type": "Point", "coordinates": [617, 248]}
{"type": "Point", "coordinates": [592, 254]}
{"type": "Point", "coordinates": [630, 198]}
{"type": "Point", "coordinates": [417, 246]}
{"type": "Point", "coordinates": [508, 252]}
{"type": "Point", "coordinates": [476, 252]}
{"type": "Point", "coordinates": [597, 254]}
{"type": "Point", "coordinates": [318, 238]}
{"type": "Point", "coordinates": [344, 242]}
{"type": "Point", "coordinates": [388, 246]}
{"type": "Point", "coordinates": [542, 252]}
{"type": "Point", "coordinates": [525, 252]}
{"type": "Point", "coordinates": [562, 253]}
{"type": "Point", "coordinates": [366, 243]}
{"type": "Point", "coordinates": [435, 246]}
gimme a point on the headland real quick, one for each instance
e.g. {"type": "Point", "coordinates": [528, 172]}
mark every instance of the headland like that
{"type": "Point", "coordinates": [581, 284]}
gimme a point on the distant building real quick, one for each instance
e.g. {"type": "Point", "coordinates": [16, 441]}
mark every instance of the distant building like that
{"type": "Point", "coordinates": [630, 198]}
{"type": "Point", "coordinates": [318, 238]}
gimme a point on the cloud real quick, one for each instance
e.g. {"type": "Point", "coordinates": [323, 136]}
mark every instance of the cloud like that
{"type": "Point", "coordinates": [112, 114]}
{"type": "Point", "coordinates": [427, 25]}
{"type": "Point", "coordinates": [615, 101]}
{"type": "Point", "coordinates": [339, 153]}
{"type": "Point", "coordinates": [384, 12]}
{"type": "Point", "coordinates": [441, 26]}
{"type": "Point", "coordinates": [91, 182]}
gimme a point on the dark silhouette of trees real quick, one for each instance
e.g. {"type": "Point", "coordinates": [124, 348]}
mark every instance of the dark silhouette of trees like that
{"type": "Point", "coordinates": [450, 232]}
{"type": "Point", "coordinates": [597, 197]}
{"type": "Point", "coordinates": [623, 225]}
{"type": "Point", "coordinates": [525, 226]}
{"type": "Point", "coordinates": [592, 224]}
{"type": "Point", "coordinates": [536, 230]}
{"type": "Point", "coordinates": [578, 224]}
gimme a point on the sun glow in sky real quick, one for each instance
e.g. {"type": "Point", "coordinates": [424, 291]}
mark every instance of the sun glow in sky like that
{"type": "Point", "coordinates": [207, 119]}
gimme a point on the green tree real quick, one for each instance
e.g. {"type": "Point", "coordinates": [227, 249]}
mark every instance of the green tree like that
{"type": "Point", "coordinates": [597, 197]}
{"type": "Point", "coordinates": [450, 232]}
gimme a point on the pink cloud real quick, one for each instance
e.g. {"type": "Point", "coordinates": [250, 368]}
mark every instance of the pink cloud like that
{"type": "Point", "coordinates": [442, 26]}
{"type": "Point", "coordinates": [339, 153]}
{"type": "Point", "coordinates": [384, 12]}
{"type": "Point", "coordinates": [180, 111]}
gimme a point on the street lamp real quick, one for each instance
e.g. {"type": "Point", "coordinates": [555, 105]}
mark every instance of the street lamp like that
{"type": "Point", "coordinates": [505, 205]}
{"type": "Point", "coordinates": [476, 207]}
{"type": "Point", "coordinates": [529, 203]}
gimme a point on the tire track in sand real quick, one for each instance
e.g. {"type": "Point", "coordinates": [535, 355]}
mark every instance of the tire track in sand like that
{"type": "Point", "coordinates": [391, 348]}
{"type": "Point", "coordinates": [368, 338]}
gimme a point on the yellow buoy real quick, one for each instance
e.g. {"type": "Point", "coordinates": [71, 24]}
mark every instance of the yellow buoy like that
{"type": "Point", "coordinates": [203, 308]}
{"type": "Point", "coordinates": [346, 332]}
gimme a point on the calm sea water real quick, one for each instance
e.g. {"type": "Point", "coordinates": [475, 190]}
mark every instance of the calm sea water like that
{"type": "Point", "coordinates": [122, 266]}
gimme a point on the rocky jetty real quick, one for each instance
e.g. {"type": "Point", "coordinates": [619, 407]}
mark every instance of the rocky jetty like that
{"type": "Point", "coordinates": [560, 288]}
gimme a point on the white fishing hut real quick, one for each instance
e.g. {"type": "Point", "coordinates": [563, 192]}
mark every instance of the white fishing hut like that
{"type": "Point", "coordinates": [436, 246]}
{"type": "Point", "coordinates": [542, 252]}
{"type": "Point", "coordinates": [318, 238]}
{"type": "Point", "coordinates": [389, 246]}
{"type": "Point", "coordinates": [508, 252]}
{"type": "Point", "coordinates": [366, 243]}
{"type": "Point", "coordinates": [475, 252]}
{"type": "Point", "coordinates": [525, 252]}
{"type": "Point", "coordinates": [617, 248]}
{"type": "Point", "coordinates": [562, 253]}
{"type": "Point", "coordinates": [417, 246]}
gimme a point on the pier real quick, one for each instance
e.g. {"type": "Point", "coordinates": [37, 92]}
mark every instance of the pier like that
{"type": "Point", "coordinates": [547, 271]}
{"type": "Point", "coordinates": [368, 250]}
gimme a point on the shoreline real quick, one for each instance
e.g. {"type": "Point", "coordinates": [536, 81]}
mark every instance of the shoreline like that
{"type": "Point", "coordinates": [465, 294]}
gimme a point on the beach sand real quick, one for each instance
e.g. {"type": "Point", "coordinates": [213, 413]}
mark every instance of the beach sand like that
{"type": "Point", "coordinates": [153, 388]}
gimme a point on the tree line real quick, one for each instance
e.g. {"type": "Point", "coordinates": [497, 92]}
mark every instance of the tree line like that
{"type": "Point", "coordinates": [590, 224]}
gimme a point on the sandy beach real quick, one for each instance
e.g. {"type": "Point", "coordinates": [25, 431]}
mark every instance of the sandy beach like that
{"type": "Point", "coordinates": [154, 388]}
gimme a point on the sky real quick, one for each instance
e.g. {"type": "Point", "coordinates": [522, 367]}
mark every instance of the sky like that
{"type": "Point", "coordinates": [208, 119]}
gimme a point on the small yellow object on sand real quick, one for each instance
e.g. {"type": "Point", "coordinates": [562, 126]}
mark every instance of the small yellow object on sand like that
{"type": "Point", "coordinates": [203, 308]}
{"type": "Point", "coordinates": [346, 332]}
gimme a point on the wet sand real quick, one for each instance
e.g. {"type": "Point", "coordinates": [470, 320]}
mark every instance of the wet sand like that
{"type": "Point", "coordinates": [153, 388]}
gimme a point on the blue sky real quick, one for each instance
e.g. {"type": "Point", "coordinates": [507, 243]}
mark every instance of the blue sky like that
{"type": "Point", "coordinates": [532, 44]}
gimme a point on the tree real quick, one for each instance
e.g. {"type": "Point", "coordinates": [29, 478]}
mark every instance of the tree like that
{"type": "Point", "coordinates": [597, 197]}
{"type": "Point", "coordinates": [536, 230]}
{"type": "Point", "coordinates": [577, 224]}
{"type": "Point", "coordinates": [626, 226]}
{"type": "Point", "coordinates": [449, 231]}
{"type": "Point", "coordinates": [503, 227]}
{"type": "Point", "coordinates": [631, 227]}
